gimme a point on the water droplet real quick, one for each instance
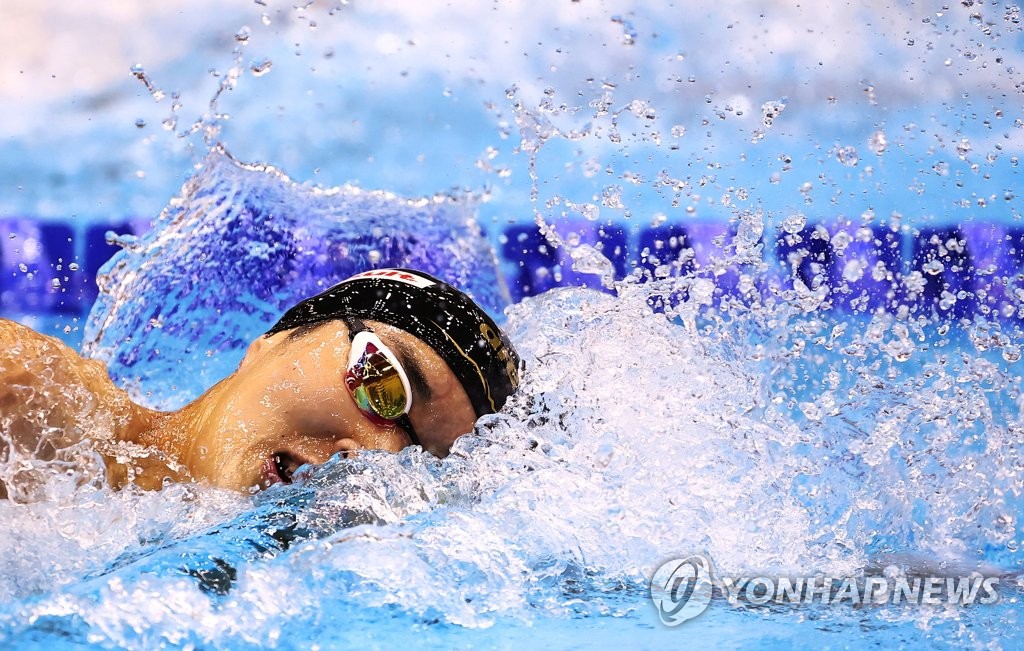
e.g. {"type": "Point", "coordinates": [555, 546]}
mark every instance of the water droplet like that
{"type": "Point", "coordinates": [604, 454]}
{"type": "Point", "coordinates": [840, 242]}
{"type": "Point", "coordinates": [587, 259]}
{"type": "Point", "coordinates": [260, 68]}
{"type": "Point", "coordinates": [140, 123]}
{"type": "Point", "coordinates": [641, 109]}
{"type": "Point", "coordinates": [772, 110]}
{"type": "Point", "coordinates": [811, 411]}
{"type": "Point", "coordinates": [878, 142]}
{"type": "Point", "coordinates": [629, 33]}
{"type": "Point", "coordinates": [73, 266]}
{"type": "Point", "coordinates": [847, 156]}
{"type": "Point", "coordinates": [139, 72]}
{"type": "Point", "coordinates": [242, 36]}
{"type": "Point", "coordinates": [963, 148]}
{"type": "Point", "coordinates": [853, 271]}
{"type": "Point", "coordinates": [588, 210]}
{"type": "Point", "coordinates": [794, 223]}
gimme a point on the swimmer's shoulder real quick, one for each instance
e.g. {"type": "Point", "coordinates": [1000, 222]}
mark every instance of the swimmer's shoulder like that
{"type": "Point", "coordinates": [24, 340]}
{"type": "Point", "coordinates": [9, 330]}
{"type": "Point", "coordinates": [26, 354]}
{"type": "Point", "coordinates": [52, 398]}
{"type": "Point", "coordinates": [21, 346]}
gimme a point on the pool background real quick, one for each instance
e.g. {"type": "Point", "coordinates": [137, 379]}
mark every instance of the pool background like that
{"type": "Point", "coordinates": [634, 121]}
{"type": "Point", "coordinates": [638, 117]}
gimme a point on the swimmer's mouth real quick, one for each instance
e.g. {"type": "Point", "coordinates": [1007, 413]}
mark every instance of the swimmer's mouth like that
{"type": "Point", "coordinates": [280, 468]}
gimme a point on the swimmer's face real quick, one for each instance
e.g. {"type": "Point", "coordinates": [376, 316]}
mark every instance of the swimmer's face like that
{"type": "Point", "coordinates": [288, 405]}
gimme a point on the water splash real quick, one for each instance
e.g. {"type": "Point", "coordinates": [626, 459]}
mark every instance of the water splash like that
{"type": "Point", "coordinates": [777, 416]}
{"type": "Point", "coordinates": [777, 440]}
{"type": "Point", "coordinates": [242, 244]}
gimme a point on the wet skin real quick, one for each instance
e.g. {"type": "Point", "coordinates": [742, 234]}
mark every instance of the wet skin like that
{"type": "Point", "coordinates": [286, 405]}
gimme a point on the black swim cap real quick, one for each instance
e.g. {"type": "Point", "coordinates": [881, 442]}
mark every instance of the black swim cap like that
{"type": "Point", "coordinates": [466, 338]}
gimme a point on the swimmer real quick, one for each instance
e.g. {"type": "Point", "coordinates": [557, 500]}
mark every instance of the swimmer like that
{"type": "Point", "coordinates": [386, 359]}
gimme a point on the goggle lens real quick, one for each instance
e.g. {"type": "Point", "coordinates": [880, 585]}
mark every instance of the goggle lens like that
{"type": "Point", "coordinates": [376, 378]}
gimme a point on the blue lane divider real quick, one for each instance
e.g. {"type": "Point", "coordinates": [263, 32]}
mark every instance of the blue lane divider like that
{"type": "Point", "coordinates": [954, 271]}
{"type": "Point", "coordinates": [665, 252]}
{"type": "Point", "coordinates": [942, 258]}
{"type": "Point", "coordinates": [36, 272]}
{"type": "Point", "coordinates": [673, 250]}
{"type": "Point", "coordinates": [50, 268]}
{"type": "Point", "coordinates": [807, 255]}
{"type": "Point", "coordinates": [957, 271]}
{"type": "Point", "coordinates": [541, 266]}
{"type": "Point", "coordinates": [866, 265]}
{"type": "Point", "coordinates": [997, 253]}
{"type": "Point", "coordinates": [536, 261]}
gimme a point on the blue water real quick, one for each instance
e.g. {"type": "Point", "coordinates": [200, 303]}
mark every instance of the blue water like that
{"type": "Point", "coordinates": [828, 383]}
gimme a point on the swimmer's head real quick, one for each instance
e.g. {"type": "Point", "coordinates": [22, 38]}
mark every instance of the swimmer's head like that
{"type": "Point", "coordinates": [384, 360]}
{"type": "Point", "coordinates": [457, 329]}
{"type": "Point", "coordinates": [466, 338]}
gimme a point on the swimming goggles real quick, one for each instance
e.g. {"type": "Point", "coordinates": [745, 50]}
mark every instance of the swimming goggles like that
{"type": "Point", "coordinates": [377, 381]}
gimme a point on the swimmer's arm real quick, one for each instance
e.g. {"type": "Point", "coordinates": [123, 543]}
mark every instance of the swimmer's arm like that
{"type": "Point", "coordinates": [30, 416]}
{"type": "Point", "coordinates": [32, 366]}
{"type": "Point", "coordinates": [51, 397]}
{"type": "Point", "coordinates": [47, 390]}
{"type": "Point", "coordinates": [30, 358]}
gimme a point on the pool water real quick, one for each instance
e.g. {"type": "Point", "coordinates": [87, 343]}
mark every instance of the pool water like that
{"type": "Point", "coordinates": [768, 290]}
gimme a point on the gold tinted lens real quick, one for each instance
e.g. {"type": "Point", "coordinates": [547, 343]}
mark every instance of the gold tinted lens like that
{"type": "Point", "coordinates": [384, 392]}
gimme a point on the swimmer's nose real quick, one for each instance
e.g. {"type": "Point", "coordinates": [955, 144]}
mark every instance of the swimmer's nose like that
{"type": "Point", "coordinates": [389, 439]}
{"type": "Point", "coordinates": [346, 446]}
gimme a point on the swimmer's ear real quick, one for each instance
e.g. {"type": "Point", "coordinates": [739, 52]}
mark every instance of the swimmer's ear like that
{"type": "Point", "coordinates": [260, 347]}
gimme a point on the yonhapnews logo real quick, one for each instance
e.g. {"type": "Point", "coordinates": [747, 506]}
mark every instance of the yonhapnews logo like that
{"type": "Point", "coordinates": [681, 589]}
